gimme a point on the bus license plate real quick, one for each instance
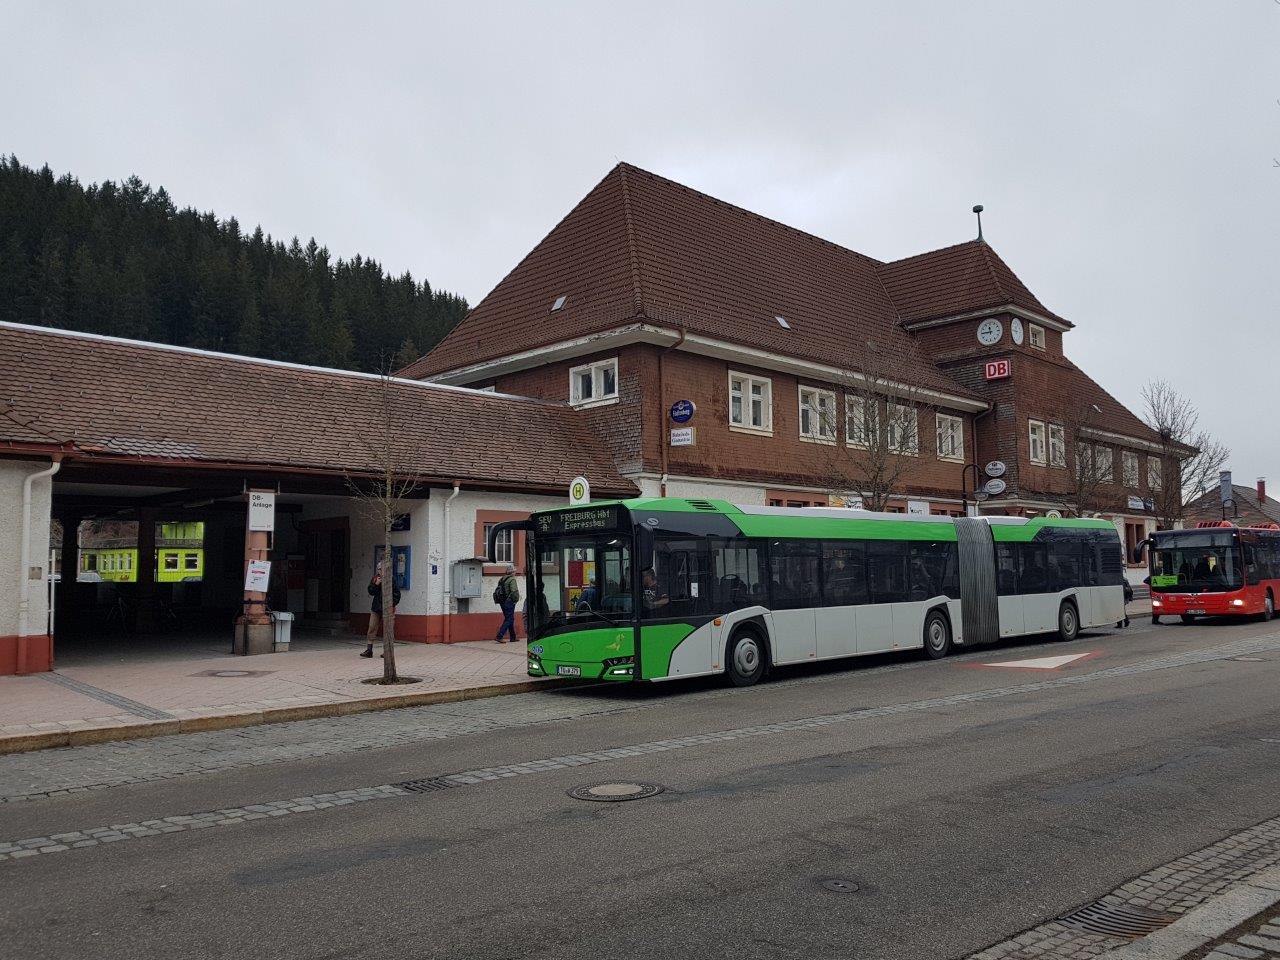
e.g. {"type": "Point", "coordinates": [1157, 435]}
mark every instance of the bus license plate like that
{"type": "Point", "coordinates": [565, 671]}
{"type": "Point", "coordinates": [1199, 613]}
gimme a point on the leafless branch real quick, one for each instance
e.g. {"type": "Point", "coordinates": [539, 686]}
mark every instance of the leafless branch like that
{"type": "Point", "coordinates": [1191, 456]}
{"type": "Point", "coordinates": [874, 427]}
{"type": "Point", "coordinates": [380, 495]}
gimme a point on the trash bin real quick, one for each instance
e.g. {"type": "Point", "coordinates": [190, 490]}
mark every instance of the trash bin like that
{"type": "Point", "coordinates": [283, 621]}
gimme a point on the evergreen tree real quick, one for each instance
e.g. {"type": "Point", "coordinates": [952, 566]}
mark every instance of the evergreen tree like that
{"type": "Point", "coordinates": [122, 259]}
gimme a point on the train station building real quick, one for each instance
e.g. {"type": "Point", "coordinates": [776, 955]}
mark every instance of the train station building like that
{"type": "Point", "coordinates": [657, 341]}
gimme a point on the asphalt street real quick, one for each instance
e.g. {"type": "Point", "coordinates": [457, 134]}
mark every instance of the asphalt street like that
{"type": "Point", "coordinates": [958, 802]}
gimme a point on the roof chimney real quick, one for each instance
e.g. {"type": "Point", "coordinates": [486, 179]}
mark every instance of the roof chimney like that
{"type": "Point", "coordinates": [1262, 490]}
{"type": "Point", "coordinates": [978, 210]}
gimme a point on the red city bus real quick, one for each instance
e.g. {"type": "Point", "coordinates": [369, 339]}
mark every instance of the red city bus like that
{"type": "Point", "coordinates": [1214, 570]}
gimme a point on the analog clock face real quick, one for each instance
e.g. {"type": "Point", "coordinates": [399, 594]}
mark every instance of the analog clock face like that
{"type": "Point", "coordinates": [990, 331]}
{"type": "Point", "coordinates": [1015, 328]}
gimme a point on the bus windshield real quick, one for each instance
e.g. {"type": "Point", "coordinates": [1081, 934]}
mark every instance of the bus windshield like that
{"type": "Point", "coordinates": [1196, 563]}
{"type": "Point", "coordinates": [580, 580]}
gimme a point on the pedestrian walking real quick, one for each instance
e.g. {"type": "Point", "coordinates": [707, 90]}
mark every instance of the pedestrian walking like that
{"type": "Point", "coordinates": [375, 610]}
{"type": "Point", "coordinates": [506, 595]}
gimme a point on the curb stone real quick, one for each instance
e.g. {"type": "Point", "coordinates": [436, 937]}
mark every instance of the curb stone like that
{"type": "Point", "coordinates": [27, 742]}
{"type": "Point", "coordinates": [1205, 923]}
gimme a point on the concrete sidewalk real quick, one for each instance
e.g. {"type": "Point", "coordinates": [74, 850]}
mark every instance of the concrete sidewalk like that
{"type": "Point", "coordinates": [100, 696]}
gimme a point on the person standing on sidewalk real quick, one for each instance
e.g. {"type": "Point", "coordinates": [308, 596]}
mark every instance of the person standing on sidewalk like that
{"type": "Point", "coordinates": [375, 610]}
{"type": "Point", "coordinates": [506, 596]}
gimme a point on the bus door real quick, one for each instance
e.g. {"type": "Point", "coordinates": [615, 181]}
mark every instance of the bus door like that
{"type": "Point", "coordinates": [886, 588]}
{"type": "Point", "coordinates": [1012, 620]}
{"type": "Point", "coordinates": [793, 596]}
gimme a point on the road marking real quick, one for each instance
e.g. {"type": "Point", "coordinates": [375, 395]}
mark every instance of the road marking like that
{"type": "Point", "coordinates": [19, 849]}
{"type": "Point", "coordinates": [1044, 663]}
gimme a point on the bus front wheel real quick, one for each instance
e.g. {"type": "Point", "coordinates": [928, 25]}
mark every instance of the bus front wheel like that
{"type": "Point", "coordinates": [745, 658]}
{"type": "Point", "coordinates": [937, 635]}
{"type": "Point", "coordinates": [1068, 622]}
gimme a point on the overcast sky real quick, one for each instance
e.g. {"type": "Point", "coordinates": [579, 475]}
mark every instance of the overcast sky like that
{"type": "Point", "coordinates": [1124, 151]}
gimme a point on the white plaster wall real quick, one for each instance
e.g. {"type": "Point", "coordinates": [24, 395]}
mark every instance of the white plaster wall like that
{"type": "Point", "coordinates": [12, 474]}
{"type": "Point", "coordinates": [366, 532]}
{"type": "Point", "coordinates": [462, 526]}
{"type": "Point", "coordinates": [750, 494]}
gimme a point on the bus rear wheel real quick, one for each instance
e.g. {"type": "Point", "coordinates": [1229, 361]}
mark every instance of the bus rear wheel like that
{"type": "Point", "coordinates": [745, 658]}
{"type": "Point", "coordinates": [937, 635]}
{"type": "Point", "coordinates": [1068, 622]}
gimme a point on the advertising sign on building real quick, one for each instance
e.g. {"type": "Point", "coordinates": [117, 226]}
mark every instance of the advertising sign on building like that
{"type": "Point", "coordinates": [918, 508]}
{"type": "Point", "coordinates": [848, 501]}
{"type": "Point", "coordinates": [995, 486]}
{"type": "Point", "coordinates": [682, 436]}
{"type": "Point", "coordinates": [1135, 503]}
{"type": "Point", "coordinates": [996, 468]}
{"type": "Point", "coordinates": [997, 369]}
{"type": "Point", "coordinates": [262, 511]}
{"type": "Point", "coordinates": [682, 411]}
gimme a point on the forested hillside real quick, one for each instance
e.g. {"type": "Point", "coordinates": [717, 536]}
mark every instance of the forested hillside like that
{"type": "Point", "coordinates": [121, 259]}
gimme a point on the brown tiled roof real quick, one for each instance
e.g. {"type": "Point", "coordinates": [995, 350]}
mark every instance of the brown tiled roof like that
{"type": "Point", "coordinates": [639, 246]}
{"type": "Point", "coordinates": [105, 397]}
{"type": "Point", "coordinates": [1252, 510]}
{"type": "Point", "coordinates": [954, 280]}
{"type": "Point", "coordinates": [1111, 415]}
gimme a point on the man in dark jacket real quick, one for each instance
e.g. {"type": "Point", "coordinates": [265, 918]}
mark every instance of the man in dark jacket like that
{"type": "Point", "coordinates": [375, 615]}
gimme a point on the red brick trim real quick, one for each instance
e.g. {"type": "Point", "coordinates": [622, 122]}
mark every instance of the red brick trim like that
{"type": "Point", "coordinates": [31, 654]}
{"type": "Point", "coordinates": [419, 628]}
{"type": "Point", "coordinates": [517, 544]}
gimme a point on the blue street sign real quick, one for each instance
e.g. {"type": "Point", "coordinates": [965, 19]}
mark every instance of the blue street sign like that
{"type": "Point", "coordinates": [682, 411]}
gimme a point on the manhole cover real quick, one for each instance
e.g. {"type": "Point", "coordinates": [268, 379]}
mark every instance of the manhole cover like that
{"type": "Point", "coordinates": [1117, 920]}
{"type": "Point", "coordinates": [233, 673]}
{"type": "Point", "coordinates": [839, 885]}
{"type": "Point", "coordinates": [616, 792]}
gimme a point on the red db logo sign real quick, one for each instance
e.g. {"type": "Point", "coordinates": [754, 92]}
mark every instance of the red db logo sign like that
{"type": "Point", "coordinates": [997, 369]}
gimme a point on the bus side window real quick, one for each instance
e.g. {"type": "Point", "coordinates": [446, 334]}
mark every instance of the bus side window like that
{"type": "Point", "coordinates": [1033, 573]}
{"type": "Point", "coordinates": [844, 573]}
{"type": "Point", "coordinates": [887, 571]}
{"type": "Point", "coordinates": [681, 569]}
{"type": "Point", "coordinates": [1006, 569]}
{"type": "Point", "coordinates": [928, 569]}
{"type": "Point", "coordinates": [793, 572]}
{"type": "Point", "coordinates": [738, 578]}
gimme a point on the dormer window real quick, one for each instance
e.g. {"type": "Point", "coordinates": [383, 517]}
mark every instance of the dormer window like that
{"type": "Point", "coordinates": [1035, 334]}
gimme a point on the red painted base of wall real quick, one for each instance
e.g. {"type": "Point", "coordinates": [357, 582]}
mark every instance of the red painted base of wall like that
{"type": "Point", "coordinates": [417, 628]}
{"type": "Point", "coordinates": [20, 655]}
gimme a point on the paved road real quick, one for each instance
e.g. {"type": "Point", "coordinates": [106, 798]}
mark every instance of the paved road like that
{"type": "Point", "coordinates": [965, 802]}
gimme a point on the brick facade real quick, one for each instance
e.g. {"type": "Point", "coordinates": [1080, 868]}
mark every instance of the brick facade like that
{"type": "Point", "coordinates": [718, 289]}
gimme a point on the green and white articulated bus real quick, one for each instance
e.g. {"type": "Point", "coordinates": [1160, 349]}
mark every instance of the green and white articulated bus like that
{"type": "Point", "coordinates": [658, 589]}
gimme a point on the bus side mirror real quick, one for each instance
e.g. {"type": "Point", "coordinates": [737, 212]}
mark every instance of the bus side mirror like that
{"type": "Point", "coordinates": [1139, 549]}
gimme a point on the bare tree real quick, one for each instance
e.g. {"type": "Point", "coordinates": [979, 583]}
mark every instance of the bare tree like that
{"type": "Point", "coordinates": [877, 449]}
{"type": "Point", "coordinates": [1091, 465]}
{"type": "Point", "coordinates": [381, 495]}
{"type": "Point", "coordinates": [1190, 456]}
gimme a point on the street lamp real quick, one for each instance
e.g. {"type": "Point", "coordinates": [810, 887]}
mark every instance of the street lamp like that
{"type": "Point", "coordinates": [964, 485]}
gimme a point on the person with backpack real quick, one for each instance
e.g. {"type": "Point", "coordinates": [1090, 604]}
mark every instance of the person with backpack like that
{"type": "Point", "coordinates": [506, 595]}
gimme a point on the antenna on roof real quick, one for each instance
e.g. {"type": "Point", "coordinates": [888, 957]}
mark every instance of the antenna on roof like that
{"type": "Point", "coordinates": [977, 208]}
